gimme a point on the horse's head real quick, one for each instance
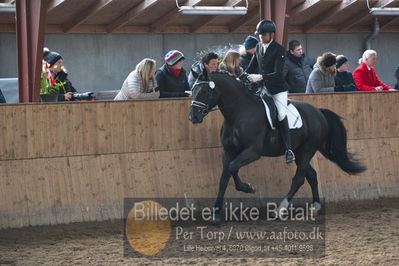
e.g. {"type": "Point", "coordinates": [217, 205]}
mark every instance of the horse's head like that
{"type": "Point", "coordinates": [205, 98]}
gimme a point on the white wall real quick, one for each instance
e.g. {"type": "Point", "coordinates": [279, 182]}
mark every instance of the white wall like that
{"type": "Point", "coordinates": [102, 61]}
{"type": "Point", "coordinates": [352, 45]}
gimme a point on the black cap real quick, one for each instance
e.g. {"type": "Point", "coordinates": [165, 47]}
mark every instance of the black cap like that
{"type": "Point", "coordinates": [341, 60]}
{"type": "Point", "coordinates": [51, 57]}
{"type": "Point", "coordinates": [250, 42]}
{"type": "Point", "coordinates": [265, 26]}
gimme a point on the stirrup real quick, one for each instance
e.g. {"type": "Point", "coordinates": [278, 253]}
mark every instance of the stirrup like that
{"type": "Point", "coordinates": [289, 156]}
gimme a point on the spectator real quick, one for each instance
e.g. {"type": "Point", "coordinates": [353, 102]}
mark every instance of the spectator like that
{"type": "Point", "coordinates": [208, 63]}
{"type": "Point", "coordinates": [247, 50]}
{"type": "Point", "coordinates": [231, 63]}
{"type": "Point", "coordinates": [322, 77]}
{"type": "Point", "coordinates": [344, 79]}
{"type": "Point", "coordinates": [140, 83]}
{"type": "Point", "coordinates": [397, 78]}
{"type": "Point", "coordinates": [364, 75]}
{"type": "Point", "coordinates": [171, 77]}
{"type": "Point", "coordinates": [59, 73]}
{"type": "Point", "coordinates": [2, 99]}
{"type": "Point", "coordinates": [297, 68]}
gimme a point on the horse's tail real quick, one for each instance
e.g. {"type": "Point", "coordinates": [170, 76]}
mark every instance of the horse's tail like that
{"type": "Point", "coordinates": [335, 147]}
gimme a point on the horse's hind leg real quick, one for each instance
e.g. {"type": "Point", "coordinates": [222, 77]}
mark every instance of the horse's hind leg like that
{"type": "Point", "coordinates": [303, 165]}
{"type": "Point", "coordinates": [297, 182]}
{"type": "Point", "coordinates": [311, 177]}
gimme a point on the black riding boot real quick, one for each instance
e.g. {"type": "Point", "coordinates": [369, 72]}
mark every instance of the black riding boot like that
{"type": "Point", "coordinates": [284, 132]}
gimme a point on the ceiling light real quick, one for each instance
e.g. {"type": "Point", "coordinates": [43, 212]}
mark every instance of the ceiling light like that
{"type": "Point", "coordinates": [7, 8]}
{"type": "Point", "coordinates": [384, 11]}
{"type": "Point", "coordinates": [212, 10]}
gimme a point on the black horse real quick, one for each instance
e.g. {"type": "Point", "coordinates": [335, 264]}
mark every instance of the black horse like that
{"type": "Point", "coordinates": [246, 135]}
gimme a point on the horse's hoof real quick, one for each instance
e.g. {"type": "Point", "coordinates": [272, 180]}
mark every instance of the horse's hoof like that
{"type": "Point", "coordinates": [217, 219]}
{"type": "Point", "coordinates": [282, 213]}
{"type": "Point", "coordinates": [282, 210]}
{"type": "Point", "coordinates": [246, 187]}
{"type": "Point", "coordinates": [315, 208]}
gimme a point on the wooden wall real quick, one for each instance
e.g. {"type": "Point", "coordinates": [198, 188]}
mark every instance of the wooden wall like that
{"type": "Point", "coordinates": [74, 162]}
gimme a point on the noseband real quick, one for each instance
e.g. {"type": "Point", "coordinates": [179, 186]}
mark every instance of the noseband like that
{"type": "Point", "coordinates": [204, 108]}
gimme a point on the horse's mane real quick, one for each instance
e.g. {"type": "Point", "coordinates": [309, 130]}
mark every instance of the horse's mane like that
{"type": "Point", "coordinates": [222, 72]}
{"type": "Point", "coordinates": [231, 78]}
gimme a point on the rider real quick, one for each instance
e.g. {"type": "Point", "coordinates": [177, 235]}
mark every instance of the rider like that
{"type": "Point", "coordinates": [268, 62]}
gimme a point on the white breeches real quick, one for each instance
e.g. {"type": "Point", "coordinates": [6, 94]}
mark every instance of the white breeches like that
{"type": "Point", "coordinates": [280, 100]}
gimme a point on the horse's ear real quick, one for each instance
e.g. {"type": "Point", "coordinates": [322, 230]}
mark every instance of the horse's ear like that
{"type": "Point", "coordinates": [195, 74]}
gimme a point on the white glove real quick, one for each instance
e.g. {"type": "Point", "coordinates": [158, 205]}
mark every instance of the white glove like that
{"type": "Point", "coordinates": [255, 77]}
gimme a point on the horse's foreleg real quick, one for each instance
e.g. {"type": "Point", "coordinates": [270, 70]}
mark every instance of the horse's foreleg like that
{"type": "Point", "coordinates": [223, 182]}
{"type": "Point", "coordinates": [244, 158]}
{"type": "Point", "coordinates": [242, 186]}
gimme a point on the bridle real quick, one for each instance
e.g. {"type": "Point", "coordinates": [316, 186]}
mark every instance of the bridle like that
{"type": "Point", "coordinates": [203, 107]}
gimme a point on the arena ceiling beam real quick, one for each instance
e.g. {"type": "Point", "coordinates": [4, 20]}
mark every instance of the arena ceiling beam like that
{"type": "Point", "coordinates": [208, 19]}
{"type": "Point", "coordinates": [383, 3]}
{"type": "Point", "coordinates": [237, 24]}
{"type": "Point", "coordinates": [53, 4]}
{"type": "Point", "coordinates": [304, 6]}
{"type": "Point", "coordinates": [130, 15]}
{"type": "Point", "coordinates": [170, 16]}
{"type": "Point", "coordinates": [347, 24]}
{"type": "Point", "coordinates": [85, 14]}
{"type": "Point", "coordinates": [385, 24]}
{"type": "Point", "coordinates": [305, 16]}
{"type": "Point", "coordinates": [361, 17]}
{"type": "Point", "coordinates": [318, 20]}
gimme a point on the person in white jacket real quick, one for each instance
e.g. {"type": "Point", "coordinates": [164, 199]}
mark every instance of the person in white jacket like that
{"type": "Point", "coordinates": [140, 83]}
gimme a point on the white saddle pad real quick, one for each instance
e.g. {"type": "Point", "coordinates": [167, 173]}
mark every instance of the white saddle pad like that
{"type": "Point", "coordinates": [294, 118]}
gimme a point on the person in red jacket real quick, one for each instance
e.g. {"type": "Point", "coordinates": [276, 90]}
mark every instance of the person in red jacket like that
{"type": "Point", "coordinates": [364, 75]}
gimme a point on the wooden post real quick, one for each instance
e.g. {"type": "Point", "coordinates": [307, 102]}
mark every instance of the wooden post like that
{"type": "Point", "coordinates": [30, 41]}
{"type": "Point", "coordinates": [276, 10]}
{"type": "Point", "coordinates": [279, 11]}
{"type": "Point", "coordinates": [267, 9]}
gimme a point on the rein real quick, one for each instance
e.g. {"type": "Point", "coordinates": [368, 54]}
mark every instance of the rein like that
{"type": "Point", "coordinates": [205, 107]}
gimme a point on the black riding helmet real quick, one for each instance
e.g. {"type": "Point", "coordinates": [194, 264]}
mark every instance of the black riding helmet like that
{"type": "Point", "coordinates": [265, 26]}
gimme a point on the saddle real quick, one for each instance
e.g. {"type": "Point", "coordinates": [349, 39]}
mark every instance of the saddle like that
{"type": "Point", "coordinates": [294, 118]}
{"type": "Point", "coordinates": [255, 90]}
